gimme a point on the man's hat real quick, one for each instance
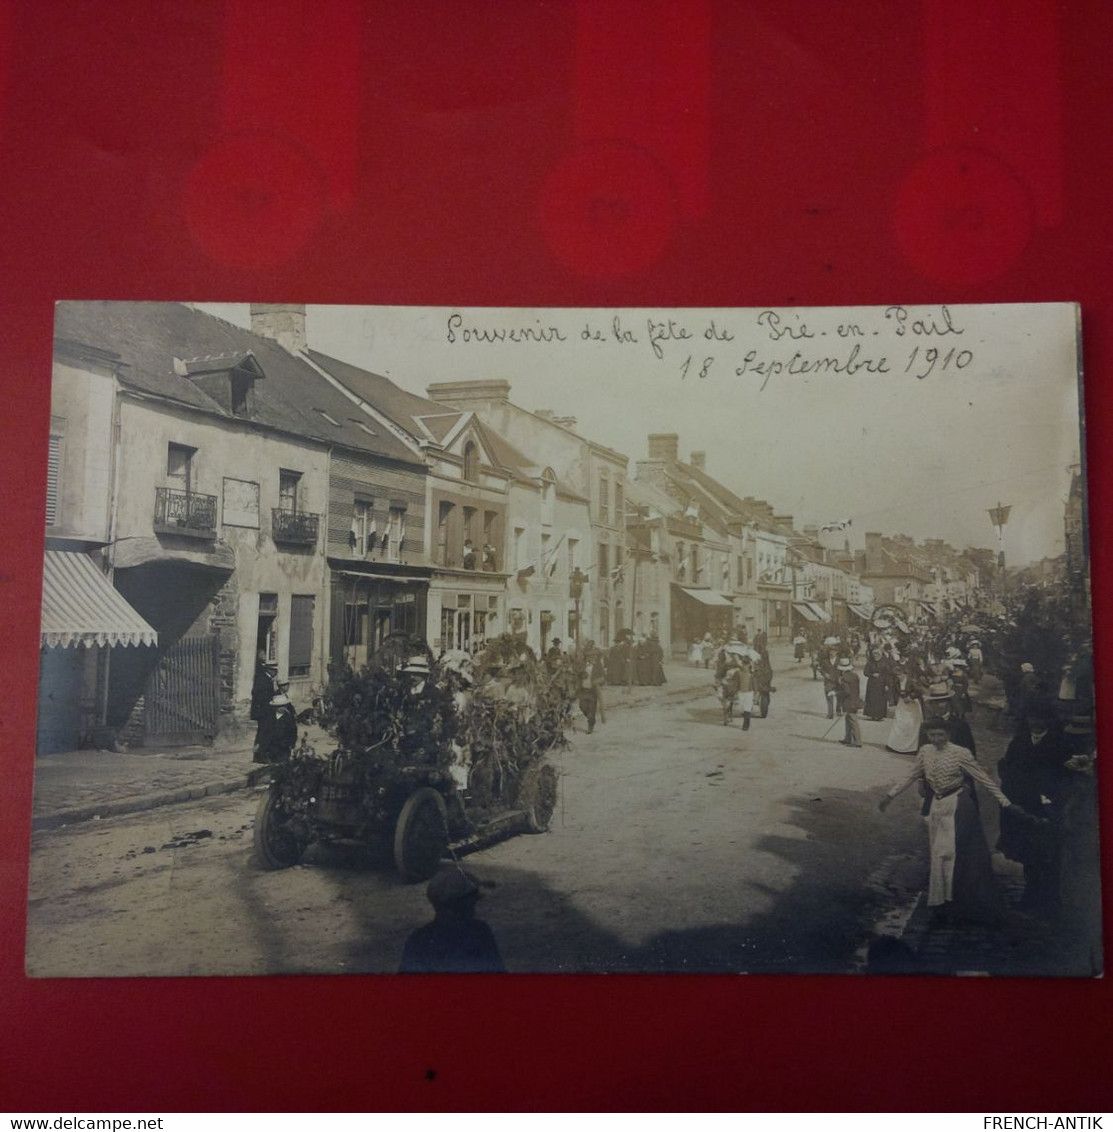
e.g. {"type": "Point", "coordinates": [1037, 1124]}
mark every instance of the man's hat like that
{"type": "Point", "coordinates": [451, 887]}
{"type": "Point", "coordinates": [279, 700]}
{"type": "Point", "coordinates": [939, 690]}
{"type": "Point", "coordinates": [845, 664]}
{"type": "Point", "coordinates": [416, 665]}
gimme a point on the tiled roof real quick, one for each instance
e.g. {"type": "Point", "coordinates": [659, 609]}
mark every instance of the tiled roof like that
{"type": "Point", "coordinates": [419, 416]}
{"type": "Point", "coordinates": [291, 397]}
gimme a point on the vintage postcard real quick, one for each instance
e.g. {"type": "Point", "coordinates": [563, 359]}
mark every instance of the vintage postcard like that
{"type": "Point", "coordinates": [471, 640]}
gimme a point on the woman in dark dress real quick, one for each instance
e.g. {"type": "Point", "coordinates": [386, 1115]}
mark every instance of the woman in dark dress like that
{"type": "Point", "coordinates": [1033, 774]}
{"type": "Point", "coordinates": [876, 673]}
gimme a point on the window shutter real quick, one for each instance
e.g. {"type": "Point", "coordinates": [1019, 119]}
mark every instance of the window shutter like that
{"type": "Point", "coordinates": [53, 478]}
{"type": "Point", "coordinates": [301, 634]}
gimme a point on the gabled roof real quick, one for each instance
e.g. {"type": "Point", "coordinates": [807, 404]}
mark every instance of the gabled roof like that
{"type": "Point", "coordinates": [156, 341]}
{"type": "Point", "coordinates": [519, 465]}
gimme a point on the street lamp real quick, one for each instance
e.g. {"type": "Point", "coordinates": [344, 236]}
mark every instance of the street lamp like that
{"type": "Point", "coordinates": [999, 516]}
{"type": "Point", "coordinates": [576, 591]}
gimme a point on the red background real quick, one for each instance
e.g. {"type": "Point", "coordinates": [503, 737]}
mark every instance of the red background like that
{"type": "Point", "coordinates": [543, 153]}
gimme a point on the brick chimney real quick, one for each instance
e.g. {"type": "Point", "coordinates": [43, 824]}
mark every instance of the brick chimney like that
{"type": "Point", "coordinates": [283, 323]}
{"type": "Point", "coordinates": [664, 446]}
{"type": "Point", "coordinates": [698, 460]}
{"type": "Point", "coordinates": [874, 551]}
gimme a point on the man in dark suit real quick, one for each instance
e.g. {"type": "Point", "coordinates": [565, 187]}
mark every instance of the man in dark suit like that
{"type": "Point", "coordinates": [850, 692]}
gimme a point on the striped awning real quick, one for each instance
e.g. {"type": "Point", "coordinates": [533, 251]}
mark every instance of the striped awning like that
{"type": "Point", "coordinates": [80, 606]}
{"type": "Point", "coordinates": [805, 610]}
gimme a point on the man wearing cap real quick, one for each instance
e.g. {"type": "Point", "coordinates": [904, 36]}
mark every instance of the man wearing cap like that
{"type": "Point", "coordinates": [850, 693]}
{"type": "Point", "coordinates": [455, 942]}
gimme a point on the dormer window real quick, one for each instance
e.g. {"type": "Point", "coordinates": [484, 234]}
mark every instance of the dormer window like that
{"type": "Point", "coordinates": [229, 379]}
{"type": "Point", "coordinates": [243, 393]}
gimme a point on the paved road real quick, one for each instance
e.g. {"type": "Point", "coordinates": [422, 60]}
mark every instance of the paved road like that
{"type": "Point", "coordinates": [678, 844]}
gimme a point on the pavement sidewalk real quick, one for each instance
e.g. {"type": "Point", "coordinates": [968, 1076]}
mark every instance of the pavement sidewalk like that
{"type": "Point", "coordinates": [79, 786]}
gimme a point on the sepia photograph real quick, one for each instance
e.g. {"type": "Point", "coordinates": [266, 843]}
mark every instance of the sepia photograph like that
{"type": "Point", "coordinates": [473, 640]}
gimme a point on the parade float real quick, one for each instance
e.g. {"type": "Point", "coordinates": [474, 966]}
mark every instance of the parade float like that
{"type": "Point", "coordinates": [431, 757]}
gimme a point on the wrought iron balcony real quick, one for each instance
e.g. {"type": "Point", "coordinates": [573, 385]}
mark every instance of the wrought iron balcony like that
{"type": "Point", "coordinates": [184, 513]}
{"type": "Point", "coordinates": [295, 528]}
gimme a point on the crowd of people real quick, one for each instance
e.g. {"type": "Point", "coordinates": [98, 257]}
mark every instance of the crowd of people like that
{"type": "Point", "coordinates": [922, 682]}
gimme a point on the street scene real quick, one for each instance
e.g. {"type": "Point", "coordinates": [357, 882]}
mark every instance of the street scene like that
{"type": "Point", "coordinates": [344, 672]}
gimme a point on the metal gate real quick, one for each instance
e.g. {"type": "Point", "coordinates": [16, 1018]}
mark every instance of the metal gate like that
{"type": "Point", "coordinates": [182, 701]}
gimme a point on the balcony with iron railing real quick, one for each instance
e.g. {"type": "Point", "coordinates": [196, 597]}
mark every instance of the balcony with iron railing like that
{"type": "Point", "coordinates": [184, 513]}
{"type": "Point", "coordinates": [295, 528]}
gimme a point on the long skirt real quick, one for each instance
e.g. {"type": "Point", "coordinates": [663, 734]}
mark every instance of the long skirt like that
{"type": "Point", "coordinates": [877, 698]}
{"type": "Point", "coordinates": [961, 869]}
{"type": "Point", "coordinates": [904, 735]}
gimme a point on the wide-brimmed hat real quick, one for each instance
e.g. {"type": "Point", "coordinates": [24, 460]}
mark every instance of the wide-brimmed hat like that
{"type": "Point", "coordinates": [451, 887]}
{"type": "Point", "coordinates": [279, 700]}
{"type": "Point", "coordinates": [939, 690]}
{"type": "Point", "coordinates": [845, 664]}
{"type": "Point", "coordinates": [416, 665]}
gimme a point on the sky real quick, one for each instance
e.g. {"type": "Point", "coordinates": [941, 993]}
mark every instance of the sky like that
{"type": "Point", "coordinates": [904, 420]}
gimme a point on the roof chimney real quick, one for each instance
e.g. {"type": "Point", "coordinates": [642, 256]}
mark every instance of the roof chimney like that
{"type": "Point", "coordinates": [283, 323]}
{"type": "Point", "coordinates": [664, 446]}
{"type": "Point", "coordinates": [698, 460]}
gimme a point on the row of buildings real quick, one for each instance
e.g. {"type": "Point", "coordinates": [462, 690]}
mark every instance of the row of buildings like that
{"type": "Point", "coordinates": [218, 494]}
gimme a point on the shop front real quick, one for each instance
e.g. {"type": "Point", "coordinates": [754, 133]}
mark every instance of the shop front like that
{"type": "Point", "coordinates": [367, 607]}
{"type": "Point", "coordinates": [466, 609]}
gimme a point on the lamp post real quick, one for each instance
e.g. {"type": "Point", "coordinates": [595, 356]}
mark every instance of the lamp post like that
{"type": "Point", "coordinates": [576, 591]}
{"type": "Point", "coordinates": [999, 516]}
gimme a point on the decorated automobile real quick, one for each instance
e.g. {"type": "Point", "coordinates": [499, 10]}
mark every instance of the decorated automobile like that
{"type": "Point", "coordinates": [427, 757]}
